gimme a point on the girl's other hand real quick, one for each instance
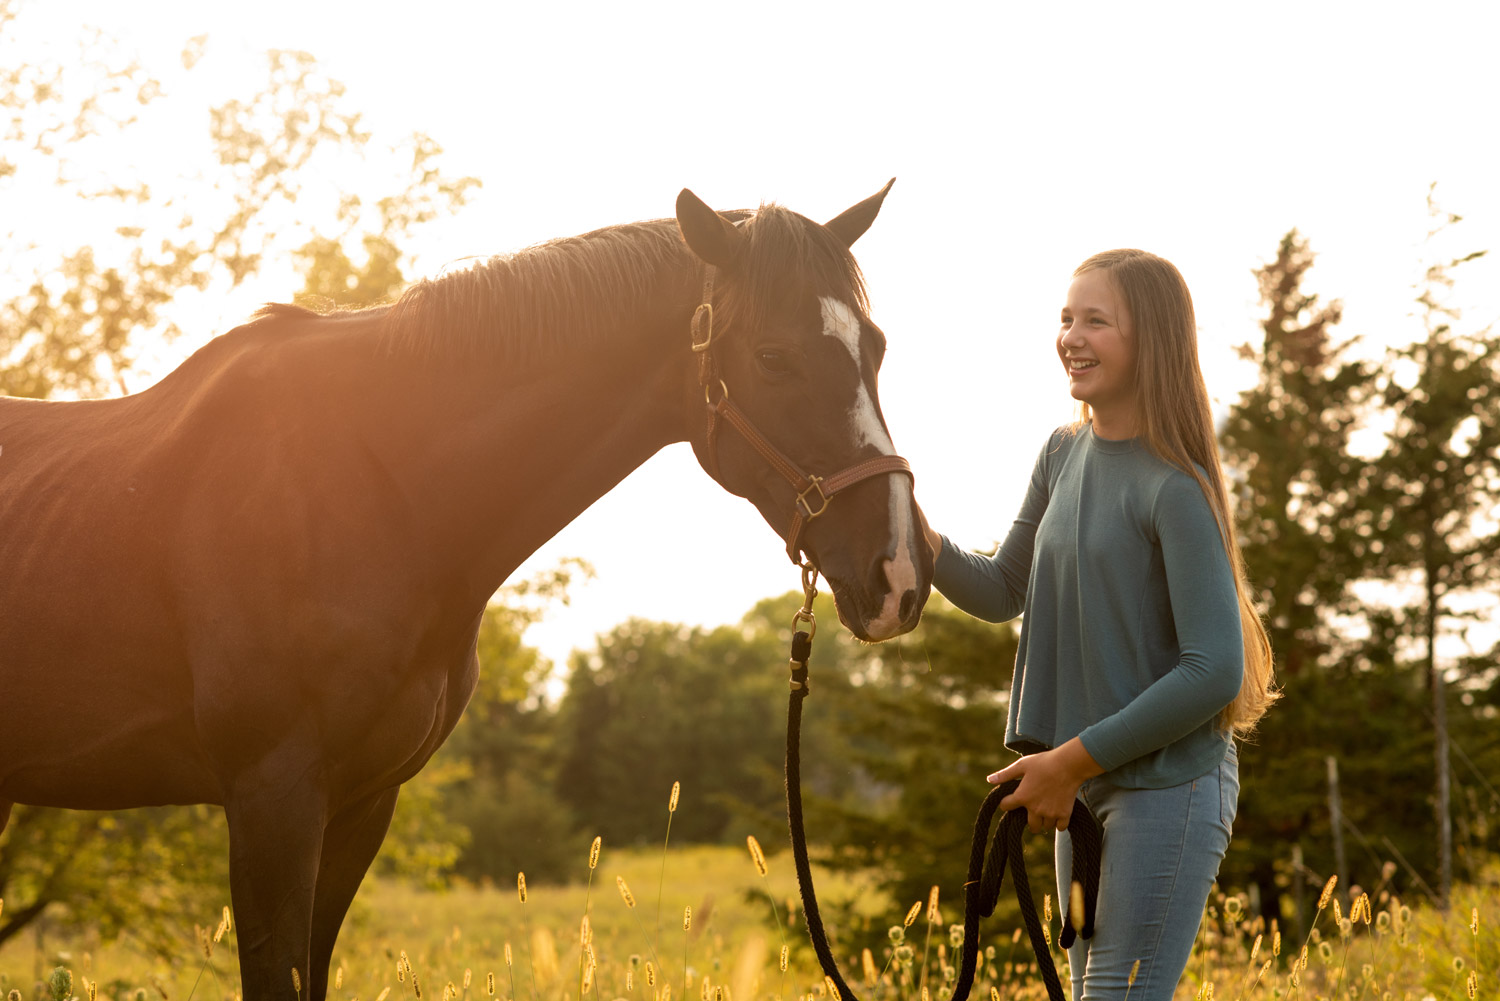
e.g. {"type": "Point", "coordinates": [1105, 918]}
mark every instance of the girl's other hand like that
{"type": "Point", "coordinates": [1049, 784]}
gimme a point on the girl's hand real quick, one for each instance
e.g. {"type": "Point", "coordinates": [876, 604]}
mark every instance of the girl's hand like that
{"type": "Point", "coordinates": [1049, 784]}
{"type": "Point", "coordinates": [934, 540]}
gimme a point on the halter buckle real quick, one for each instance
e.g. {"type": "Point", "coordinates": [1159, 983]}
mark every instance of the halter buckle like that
{"type": "Point", "coordinates": [815, 483]}
{"type": "Point", "coordinates": [703, 318]}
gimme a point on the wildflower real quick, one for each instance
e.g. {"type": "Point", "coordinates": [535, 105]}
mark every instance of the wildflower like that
{"type": "Point", "coordinates": [956, 935]}
{"type": "Point", "coordinates": [756, 855]}
{"type": "Point", "coordinates": [896, 933]}
{"type": "Point", "coordinates": [1325, 951]}
{"type": "Point", "coordinates": [1232, 907]}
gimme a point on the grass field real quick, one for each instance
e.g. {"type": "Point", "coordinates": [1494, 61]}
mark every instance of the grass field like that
{"type": "Point", "coordinates": [453, 941]}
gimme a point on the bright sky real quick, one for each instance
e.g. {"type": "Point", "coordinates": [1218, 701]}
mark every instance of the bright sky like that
{"type": "Point", "coordinates": [1024, 137]}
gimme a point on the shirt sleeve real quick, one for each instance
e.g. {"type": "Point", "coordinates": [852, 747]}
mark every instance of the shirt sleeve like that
{"type": "Point", "coordinates": [1206, 614]}
{"type": "Point", "coordinates": [993, 588]}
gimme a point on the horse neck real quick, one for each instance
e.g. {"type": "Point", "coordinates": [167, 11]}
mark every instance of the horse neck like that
{"type": "Point", "coordinates": [506, 456]}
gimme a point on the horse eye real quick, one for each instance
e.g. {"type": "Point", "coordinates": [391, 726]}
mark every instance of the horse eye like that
{"type": "Point", "coordinates": [774, 362]}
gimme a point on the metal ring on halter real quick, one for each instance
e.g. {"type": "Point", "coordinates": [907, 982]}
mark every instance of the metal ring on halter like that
{"type": "Point", "coordinates": [803, 615]}
{"type": "Point", "coordinates": [708, 394]}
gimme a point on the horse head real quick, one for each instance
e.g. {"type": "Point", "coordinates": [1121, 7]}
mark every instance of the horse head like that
{"type": "Point", "coordinates": [785, 411]}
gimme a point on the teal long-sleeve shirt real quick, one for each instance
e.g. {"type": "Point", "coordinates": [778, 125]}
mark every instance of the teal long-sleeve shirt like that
{"type": "Point", "coordinates": [1131, 634]}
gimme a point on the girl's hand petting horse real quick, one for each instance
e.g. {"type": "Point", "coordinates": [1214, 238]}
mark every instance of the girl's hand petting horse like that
{"type": "Point", "coordinates": [1049, 784]}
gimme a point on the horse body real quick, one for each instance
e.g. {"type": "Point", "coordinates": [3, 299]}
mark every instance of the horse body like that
{"type": "Point", "coordinates": [259, 582]}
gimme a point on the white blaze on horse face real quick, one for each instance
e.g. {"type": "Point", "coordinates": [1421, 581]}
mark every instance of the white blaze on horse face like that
{"type": "Point", "coordinates": [841, 322]}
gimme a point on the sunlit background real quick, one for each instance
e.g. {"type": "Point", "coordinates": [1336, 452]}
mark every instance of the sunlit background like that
{"type": "Point", "coordinates": [1024, 137]}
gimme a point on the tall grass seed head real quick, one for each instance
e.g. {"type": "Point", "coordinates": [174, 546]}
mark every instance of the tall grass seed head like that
{"type": "Point", "coordinates": [1327, 893]}
{"type": "Point", "coordinates": [911, 915]}
{"type": "Point", "coordinates": [594, 851]}
{"type": "Point", "coordinates": [489, 983]}
{"type": "Point", "coordinates": [933, 917]}
{"type": "Point", "coordinates": [650, 974]}
{"type": "Point", "coordinates": [1075, 906]}
{"type": "Point", "coordinates": [687, 918]}
{"type": "Point", "coordinates": [1474, 920]}
{"type": "Point", "coordinates": [625, 893]}
{"type": "Point", "coordinates": [296, 980]}
{"type": "Point", "coordinates": [1473, 984]}
{"type": "Point", "coordinates": [521, 886]}
{"type": "Point", "coordinates": [756, 855]}
{"type": "Point", "coordinates": [783, 957]}
{"type": "Point", "coordinates": [507, 955]}
{"type": "Point", "coordinates": [1047, 908]}
{"type": "Point", "coordinates": [672, 803]}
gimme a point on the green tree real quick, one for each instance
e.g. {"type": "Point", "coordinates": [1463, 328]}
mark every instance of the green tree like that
{"type": "Point", "coordinates": [1438, 483]}
{"type": "Point", "coordinates": [658, 703]}
{"type": "Point", "coordinates": [1308, 532]}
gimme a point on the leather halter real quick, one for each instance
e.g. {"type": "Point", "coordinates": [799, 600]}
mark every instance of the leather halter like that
{"type": "Point", "coordinates": [813, 492]}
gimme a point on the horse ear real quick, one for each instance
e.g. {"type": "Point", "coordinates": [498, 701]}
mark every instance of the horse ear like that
{"type": "Point", "coordinates": [708, 234]}
{"type": "Point", "coordinates": [850, 224]}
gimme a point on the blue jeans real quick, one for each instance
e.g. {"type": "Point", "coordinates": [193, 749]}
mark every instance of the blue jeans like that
{"type": "Point", "coordinates": [1161, 853]}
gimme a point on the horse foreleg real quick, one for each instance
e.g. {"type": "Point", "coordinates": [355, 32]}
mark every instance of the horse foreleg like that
{"type": "Point", "coordinates": [350, 843]}
{"type": "Point", "coordinates": [276, 816]}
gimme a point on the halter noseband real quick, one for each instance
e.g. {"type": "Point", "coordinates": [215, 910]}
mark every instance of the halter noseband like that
{"type": "Point", "coordinates": [813, 492]}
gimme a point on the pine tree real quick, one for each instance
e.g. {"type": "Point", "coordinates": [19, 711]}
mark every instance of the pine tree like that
{"type": "Point", "coordinates": [1437, 486]}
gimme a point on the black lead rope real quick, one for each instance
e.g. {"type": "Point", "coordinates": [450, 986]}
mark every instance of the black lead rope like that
{"type": "Point", "coordinates": [986, 870]}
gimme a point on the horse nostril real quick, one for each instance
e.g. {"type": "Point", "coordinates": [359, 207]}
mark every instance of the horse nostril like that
{"type": "Point", "coordinates": [908, 605]}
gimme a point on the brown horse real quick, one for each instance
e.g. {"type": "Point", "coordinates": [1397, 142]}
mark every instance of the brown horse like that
{"type": "Point", "coordinates": [258, 583]}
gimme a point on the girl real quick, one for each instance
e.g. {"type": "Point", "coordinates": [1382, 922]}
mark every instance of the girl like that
{"type": "Point", "coordinates": [1141, 655]}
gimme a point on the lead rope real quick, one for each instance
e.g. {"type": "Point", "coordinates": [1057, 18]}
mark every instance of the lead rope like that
{"type": "Point", "coordinates": [986, 870]}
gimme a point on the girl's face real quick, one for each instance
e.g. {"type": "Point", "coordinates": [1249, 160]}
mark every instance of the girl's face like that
{"type": "Point", "coordinates": [1096, 343]}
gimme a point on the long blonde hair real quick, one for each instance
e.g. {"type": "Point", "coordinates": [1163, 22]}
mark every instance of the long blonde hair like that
{"type": "Point", "coordinates": [1176, 424]}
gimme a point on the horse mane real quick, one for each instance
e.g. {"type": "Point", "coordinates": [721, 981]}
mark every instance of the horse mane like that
{"type": "Point", "coordinates": [569, 294]}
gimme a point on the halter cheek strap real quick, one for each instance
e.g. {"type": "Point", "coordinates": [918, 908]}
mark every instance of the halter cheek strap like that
{"type": "Point", "coordinates": [813, 492]}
